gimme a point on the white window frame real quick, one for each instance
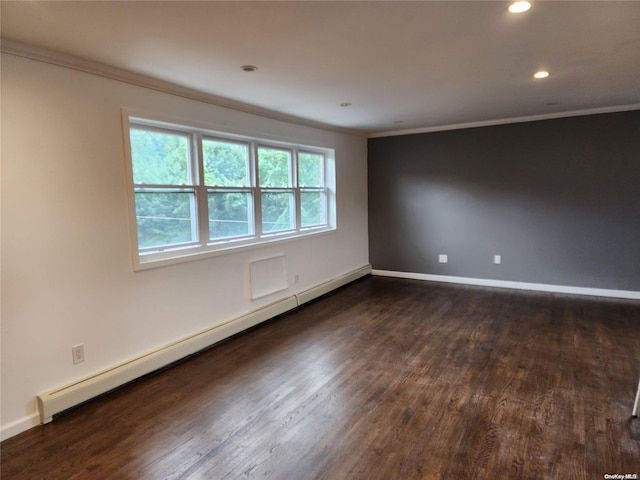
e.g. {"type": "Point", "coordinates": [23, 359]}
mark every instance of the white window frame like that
{"type": "Point", "coordinates": [203, 246]}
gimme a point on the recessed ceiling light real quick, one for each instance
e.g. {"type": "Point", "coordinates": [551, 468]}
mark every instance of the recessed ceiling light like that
{"type": "Point", "coordinates": [345, 104]}
{"type": "Point", "coordinates": [249, 68]}
{"type": "Point", "coordinates": [541, 74]}
{"type": "Point", "coordinates": [519, 7]}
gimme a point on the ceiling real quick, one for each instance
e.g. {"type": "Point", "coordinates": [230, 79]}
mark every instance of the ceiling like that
{"type": "Point", "coordinates": [401, 65]}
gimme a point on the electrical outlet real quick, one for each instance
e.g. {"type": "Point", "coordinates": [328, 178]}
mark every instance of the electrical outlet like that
{"type": "Point", "coordinates": [443, 258]}
{"type": "Point", "coordinates": [497, 259]}
{"type": "Point", "coordinates": [296, 279]}
{"type": "Point", "coordinates": [77, 353]}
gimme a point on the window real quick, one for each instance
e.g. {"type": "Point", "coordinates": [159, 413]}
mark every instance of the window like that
{"type": "Point", "coordinates": [198, 192]}
{"type": "Point", "coordinates": [313, 194]}
{"type": "Point", "coordinates": [276, 187]}
{"type": "Point", "coordinates": [165, 188]}
{"type": "Point", "coordinates": [229, 196]}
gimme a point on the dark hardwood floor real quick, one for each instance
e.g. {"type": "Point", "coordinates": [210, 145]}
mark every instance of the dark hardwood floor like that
{"type": "Point", "coordinates": [384, 379]}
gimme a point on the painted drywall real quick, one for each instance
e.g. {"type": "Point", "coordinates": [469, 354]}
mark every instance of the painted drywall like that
{"type": "Point", "coordinates": [67, 276]}
{"type": "Point", "coordinates": [558, 199]}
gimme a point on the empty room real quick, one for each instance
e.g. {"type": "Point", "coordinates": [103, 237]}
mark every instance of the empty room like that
{"type": "Point", "coordinates": [299, 240]}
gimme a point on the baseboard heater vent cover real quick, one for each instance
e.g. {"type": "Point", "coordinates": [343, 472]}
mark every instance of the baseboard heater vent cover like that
{"type": "Point", "coordinates": [73, 394]}
{"type": "Point", "coordinates": [56, 401]}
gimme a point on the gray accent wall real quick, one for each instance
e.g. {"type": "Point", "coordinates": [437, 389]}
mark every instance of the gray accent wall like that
{"type": "Point", "coordinates": [558, 199]}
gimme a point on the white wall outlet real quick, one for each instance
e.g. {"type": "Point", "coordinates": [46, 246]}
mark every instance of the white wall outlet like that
{"type": "Point", "coordinates": [296, 278]}
{"type": "Point", "coordinates": [443, 258]}
{"type": "Point", "coordinates": [497, 259]}
{"type": "Point", "coordinates": [77, 353]}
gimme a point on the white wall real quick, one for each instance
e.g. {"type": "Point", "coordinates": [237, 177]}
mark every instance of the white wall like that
{"type": "Point", "coordinates": [66, 265]}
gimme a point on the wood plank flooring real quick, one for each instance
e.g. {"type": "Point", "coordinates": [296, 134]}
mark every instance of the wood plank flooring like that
{"type": "Point", "coordinates": [384, 379]}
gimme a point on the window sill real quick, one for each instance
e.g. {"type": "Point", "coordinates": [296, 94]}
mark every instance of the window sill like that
{"type": "Point", "coordinates": [193, 253]}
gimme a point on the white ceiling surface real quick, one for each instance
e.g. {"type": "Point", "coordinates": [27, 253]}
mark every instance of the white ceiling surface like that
{"type": "Point", "coordinates": [425, 64]}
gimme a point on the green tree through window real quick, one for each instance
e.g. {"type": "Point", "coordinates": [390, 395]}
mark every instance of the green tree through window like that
{"type": "Point", "coordinates": [313, 195]}
{"type": "Point", "coordinates": [165, 209]}
{"type": "Point", "coordinates": [276, 180]}
{"type": "Point", "coordinates": [226, 169]}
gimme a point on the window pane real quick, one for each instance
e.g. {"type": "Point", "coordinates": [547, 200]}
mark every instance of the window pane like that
{"type": "Point", "coordinates": [159, 158]}
{"type": "Point", "coordinates": [313, 208]}
{"type": "Point", "coordinates": [230, 214]}
{"type": "Point", "coordinates": [310, 170]}
{"type": "Point", "coordinates": [274, 167]}
{"type": "Point", "coordinates": [165, 218]}
{"type": "Point", "coordinates": [277, 211]}
{"type": "Point", "coordinates": [225, 164]}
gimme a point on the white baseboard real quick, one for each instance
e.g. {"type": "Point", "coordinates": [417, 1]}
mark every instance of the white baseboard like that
{"type": "Point", "coordinates": [67, 396]}
{"type": "Point", "coordinates": [18, 426]}
{"type": "Point", "coordinates": [315, 292]}
{"type": "Point", "coordinates": [538, 287]}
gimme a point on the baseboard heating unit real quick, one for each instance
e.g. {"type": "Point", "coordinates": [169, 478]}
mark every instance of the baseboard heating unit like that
{"type": "Point", "coordinates": [55, 401]}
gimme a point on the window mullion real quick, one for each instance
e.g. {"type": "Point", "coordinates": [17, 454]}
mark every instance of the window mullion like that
{"type": "Point", "coordinates": [161, 186]}
{"type": "Point", "coordinates": [296, 189]}
{"type": "Point", "coordinates": [202, 207]}
{"type": "Point", "coordinates": [256, 190]}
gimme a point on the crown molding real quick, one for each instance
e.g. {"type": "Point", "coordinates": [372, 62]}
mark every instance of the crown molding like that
{"type": "Point", "coordinates": [505, 121]}
{"type": "Point", "coordinates": [40, 54]}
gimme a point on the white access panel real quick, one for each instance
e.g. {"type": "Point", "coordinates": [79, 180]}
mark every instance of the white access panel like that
{"type": "Point", "coordinates": [267, 276]}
